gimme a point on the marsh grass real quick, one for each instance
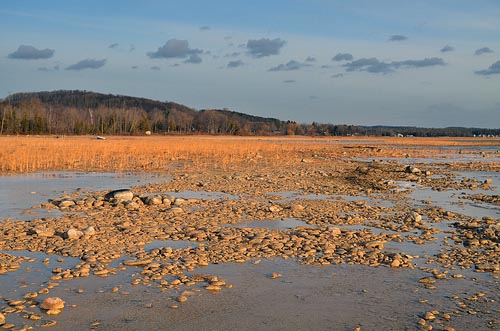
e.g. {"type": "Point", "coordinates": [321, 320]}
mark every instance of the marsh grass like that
{"type": "Point", "coordinates": [21, 154]}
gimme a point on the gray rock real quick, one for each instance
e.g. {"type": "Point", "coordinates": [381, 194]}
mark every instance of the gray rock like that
{"type": "Point", "coordinates": [120, 195]}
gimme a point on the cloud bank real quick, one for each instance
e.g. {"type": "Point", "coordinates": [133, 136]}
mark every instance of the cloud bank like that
{"type": "Point", "coordinates": [27, 52]}
{"type": "Point", "coordinates": [264, 47]}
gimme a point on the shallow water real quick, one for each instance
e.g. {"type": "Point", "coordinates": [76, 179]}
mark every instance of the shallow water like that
{"type": "Point", "coordinates": [19, 193]}
{"type": "Point", "coordinates": [285, 224]}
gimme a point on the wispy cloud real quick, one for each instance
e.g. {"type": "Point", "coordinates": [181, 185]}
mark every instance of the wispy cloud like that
{"type": "Point", "coordinates": [235, 64]}
{"type": "Point", "coordinates": [204, 28]}
{"type": "Point", "coordinates": [290, 65]}
{"type": "Point", "coordinates": [398, 37]}
{"type": "Point", "coordinates": [87, 64]}
{"type": "Point", "coordinates": [115, 45]}
{"type": "Point", "coordinates": [27, 52]}
{"type": "Point", "coordinates": [374, 65]}
{"type": "Point", "coordinates": [483, 50]}
{"type": "Point", "coordinates": [447, 48]}
{"type": "Point", "coordinates": [264, 47]}
{"type": "Point", "coordinates": [194, 59]}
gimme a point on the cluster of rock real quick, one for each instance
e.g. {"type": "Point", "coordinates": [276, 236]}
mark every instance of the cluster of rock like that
{"type": "Point", "coordinates": [122, 197]}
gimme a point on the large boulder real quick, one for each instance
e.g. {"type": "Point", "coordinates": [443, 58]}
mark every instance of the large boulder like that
{"type": "Point", "coordinates": [120, 195]}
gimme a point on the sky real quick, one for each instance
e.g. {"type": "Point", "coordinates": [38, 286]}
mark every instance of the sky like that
{"type": "Point", "coordinates": [426, 63]}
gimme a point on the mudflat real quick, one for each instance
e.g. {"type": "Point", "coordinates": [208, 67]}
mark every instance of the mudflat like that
{"type": "Point", "coordinates": [261, 233]}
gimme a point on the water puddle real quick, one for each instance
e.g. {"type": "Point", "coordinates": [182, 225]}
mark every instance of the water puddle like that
{"type": "Point", "coordinates": [174, 244]}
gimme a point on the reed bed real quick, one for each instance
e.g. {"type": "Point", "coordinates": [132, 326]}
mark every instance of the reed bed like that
{"type": "Point", "coordinates": [23, 154]}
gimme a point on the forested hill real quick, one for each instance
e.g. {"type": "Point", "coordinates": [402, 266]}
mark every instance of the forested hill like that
{"type": "Point", "coordinates": [85, 112]}
{"type": "Point", "coordinates": [88, 99]}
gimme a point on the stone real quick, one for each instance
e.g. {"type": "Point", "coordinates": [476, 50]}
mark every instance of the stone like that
{"type": "Point", "coordinates": [412, 170]}
{"type": "Point", "coordinates": [66, 204]}
{"type": "Point", "coordinates": [131, 205]}
{"type": "Point", "coordinates": [335, 231]}
{"type": "Point", "coordinates": [72, 234]}
{"type": "Point", "coordinates": [274, 209]}
{"type": "Point", "coordinates": [45, 232]}
{"type": "Point", "coordinates": [213, 288]}
{"type": "Point", "coordinates": [182, 298]}
{"type": "Point", "coordinates": [89, 231]}
{"type": "Point", "coordinates": [413, 217]}
{"type": "Point", "coordinates": [297, 207]}
{"type": "Point", "coordinates": [52, 304]}
{"type": "Point", "coordinates": [153, 200]}
{"type": "Point", "coordinates": [120, 195]}
{"type": "Point", "coordinates": [2, 319]}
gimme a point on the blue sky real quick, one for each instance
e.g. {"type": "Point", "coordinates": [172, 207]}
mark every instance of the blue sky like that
{"type": "Point", "coordinates": [419, 63]}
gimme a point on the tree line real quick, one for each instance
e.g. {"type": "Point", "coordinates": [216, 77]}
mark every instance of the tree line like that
{"type": "Point", "coordinates": [83, 112]}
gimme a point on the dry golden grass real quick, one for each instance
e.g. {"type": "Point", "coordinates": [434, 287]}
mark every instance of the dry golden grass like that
{"type": "Point", "coordinates": [30, 154]}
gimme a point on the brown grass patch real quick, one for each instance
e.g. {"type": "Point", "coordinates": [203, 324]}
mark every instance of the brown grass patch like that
{"type": "Point", "coordinates": [83, 153]}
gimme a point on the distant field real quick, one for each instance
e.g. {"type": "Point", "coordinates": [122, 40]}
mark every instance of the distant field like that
{"type": "Point", "coordinates": [20, 154]}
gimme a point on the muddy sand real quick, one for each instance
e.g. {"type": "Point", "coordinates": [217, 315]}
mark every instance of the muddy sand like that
{"type": "Point", "coordinates": [324, 244]}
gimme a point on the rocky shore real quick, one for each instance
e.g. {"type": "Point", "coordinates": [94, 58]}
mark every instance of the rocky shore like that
{"type": "Point", "coordinates": [351, 214]}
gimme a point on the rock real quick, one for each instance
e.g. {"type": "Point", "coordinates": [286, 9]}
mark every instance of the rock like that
{"type": "Point", "coordinates": [153, 200]}
{"type": "Point", "coordinates": [179, 201]}
{"type": "Point", "coordinates": [72, 234]}
{"type": "Point", "coordinates": [53, 305]}
{"type": "Point", "coordinates": [89, 231]}
{"type": "Point", "coordinates": [427, 280]}
{"type": "Point", "coordinates": [413, 217]}
{"type": "Point", "coordinates": [131, 205]}
{"type": "Point", "coordinates": [182, 298]}
{"type": "Point", "coordinates": [43, 232]}
{"type": "Point", "coordinates": [66, 203]}
{"type": "Point", "coordinates": [176, 210]}
{"type": "Point", "coordinates": [275, 275]}
{"type": "Point", "coordinates": [275, 209]}
{"type": "Point", "coordinates": [412, 170]}
{"type": "Point", "coordinates": [2, 319]}
{"type": "Point", "coordinates": [120, 195]}
{"type": "Point", "coordinates": [376, 244]}
{"type": "Point", "coordinates": [335, 231]}
{"type": "Point", "coordinates": [213, 288]}
{"type": "Point", "coordinates": [297, 207]}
